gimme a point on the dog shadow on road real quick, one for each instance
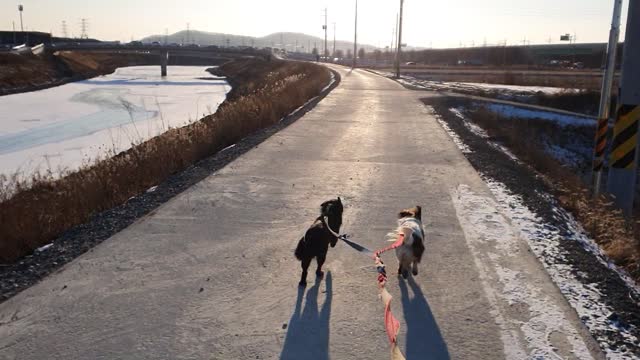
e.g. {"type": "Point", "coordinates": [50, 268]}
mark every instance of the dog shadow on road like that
{"type": "Point", "coordinates": [308, 332]}
{"type": "Point", "coordinates": [424, 340]}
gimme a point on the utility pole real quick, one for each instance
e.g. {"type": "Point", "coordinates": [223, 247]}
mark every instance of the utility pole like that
{"type": "Point", "coordinates": [325, 34]}
{"type": "Point", "coordinates": [605, 99]}
{"type": "Point", "coordinates": [334, 39]}
{"type": "Point", "coordinates": [355, 40]}
{"type": "Point", "coordinates": [624, 155]}
{"type": "Point", "coordinates": [393, 37]}
{"type": "Point", "coordinates": [14, 33]}
{"type": "Point", "coordinates": [188, 24]}
{"type": "Point", "coordinates": [399, 41]}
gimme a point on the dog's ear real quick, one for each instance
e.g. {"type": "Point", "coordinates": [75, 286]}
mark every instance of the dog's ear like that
{"type": "Point", "coordinates": [415, 212]}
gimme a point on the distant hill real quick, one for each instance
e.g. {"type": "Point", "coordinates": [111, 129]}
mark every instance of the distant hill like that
{"type": "Point", "coordinates": [287, 40]}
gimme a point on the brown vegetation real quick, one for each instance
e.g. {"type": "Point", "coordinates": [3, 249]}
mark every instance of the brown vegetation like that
{"type": "Point", "coordinates": [44, 207]}
{"type": "Point", "coordinates": [31, 72]}
{"type": "Point", "coordinates": [619, 239]}
{"type": "Point", "coordinates": [585, 101]}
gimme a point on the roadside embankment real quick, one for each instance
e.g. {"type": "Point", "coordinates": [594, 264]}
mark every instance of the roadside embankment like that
{"type": "Point", "coordinates": [36, 212]}
{"type": "Point", "coordinates": [532, 162]}
{"type": "Point", "coordinates": [22, 73]}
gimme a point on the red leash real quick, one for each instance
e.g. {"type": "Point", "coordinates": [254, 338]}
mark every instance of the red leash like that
{"type": "Point", "coordinates": [395, 245]}
{"type": "Point", "coordinates": [391, 324]}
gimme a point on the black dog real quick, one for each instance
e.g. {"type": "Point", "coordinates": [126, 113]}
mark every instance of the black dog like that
{"type": "Point", "coordinates": [317, 239]}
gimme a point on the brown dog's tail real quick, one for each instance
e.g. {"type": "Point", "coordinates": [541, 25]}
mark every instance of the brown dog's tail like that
{"type": "Point", "coordinates": [299, 249]}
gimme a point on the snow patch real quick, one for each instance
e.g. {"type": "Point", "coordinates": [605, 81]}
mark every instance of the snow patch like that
{"type": "Point", "coordinates": [477, 130]}
{"type": "Point", "coordinates": [456, 139]}
{"type": "Point", "coordinates": [563, 155]}
{"type": "Point", "coordinates": [44, 248]}
{"type": "Point", "coordinates": [228, 147]}
{"type": "Point", "coordinates": [505, 91]}
{"type": "Point", "coordinates": [560, 119]}
{"type": "Point", "coordinates": [458, 112]}
{"type": "Point", "coordinates": [518, 88]}
{"type": "Point", "coordinates": [494, 244]}
{"type": "Point", "coordinates": [544, 241]}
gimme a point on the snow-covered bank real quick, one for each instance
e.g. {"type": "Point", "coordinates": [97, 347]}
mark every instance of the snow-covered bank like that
{"type": "Point", "coordinates": [506, 91]}
{"type": "Point", "coordinates": [66, 126]}
{"type": "Point", "coordinates": [560, 119]}
{"type": "Point", "coordinates": [600, 293]}
{"type": "Point", "coordinates": [569, 149]}
{"type": "Point", "coordinates": [495, 243]}
{"type": "Point", "coordinates": [544, 241]}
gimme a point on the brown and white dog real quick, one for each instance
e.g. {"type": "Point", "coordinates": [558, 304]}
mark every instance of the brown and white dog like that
{"type": "Point", "coordinates": [410, 252]}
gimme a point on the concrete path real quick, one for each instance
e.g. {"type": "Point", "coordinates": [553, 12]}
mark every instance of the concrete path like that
{"type": "Point", "coordinates": [211, 274]}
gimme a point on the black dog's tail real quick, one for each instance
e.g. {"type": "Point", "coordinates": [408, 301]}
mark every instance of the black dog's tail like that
{"type": "Point", "coordinates": [418, 247]}
{"type": "Point", "coordinates": [299, 249]}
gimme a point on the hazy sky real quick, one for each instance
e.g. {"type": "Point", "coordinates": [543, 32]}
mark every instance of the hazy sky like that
{"type": "Point", "coordinates": [444, 23]}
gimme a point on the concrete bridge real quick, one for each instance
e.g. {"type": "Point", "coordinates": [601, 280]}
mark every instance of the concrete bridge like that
{"type": "Point", "coordinates": [164, 51]}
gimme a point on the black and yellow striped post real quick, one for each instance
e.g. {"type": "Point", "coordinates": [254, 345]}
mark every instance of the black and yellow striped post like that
{"type": "Point", "coordinates": [601, 144]}
{"type": "Point", "coordinates": [625, 137]}
{"type": "Point", "coordinates": [621, 182]}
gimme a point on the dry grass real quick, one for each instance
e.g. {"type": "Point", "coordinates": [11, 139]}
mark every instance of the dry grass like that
{"type": "Point", "coordinates": [619, 239]}
{"type": "Point", "coordinates": [44, 207]}
{"type": "Point", "coordinates": [25, 71]}
{"type": "Point", "coordinates": [584, 101]}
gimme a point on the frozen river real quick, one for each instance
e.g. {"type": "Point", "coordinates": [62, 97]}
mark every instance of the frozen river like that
{"type": "Point", "coordinates": [73, 124]}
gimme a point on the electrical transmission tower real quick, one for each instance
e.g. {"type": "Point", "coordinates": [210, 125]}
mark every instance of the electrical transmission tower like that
{"type": "Point", "coordinates": [84, 28]}
{"type": "Point", "coordinates": [65, 33]}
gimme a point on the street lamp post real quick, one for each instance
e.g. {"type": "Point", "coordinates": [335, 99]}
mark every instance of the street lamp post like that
{"type": "Point", "coordinates": [20, 8]}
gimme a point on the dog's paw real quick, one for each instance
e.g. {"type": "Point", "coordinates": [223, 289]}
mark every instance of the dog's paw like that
{"type": "Point", "coordinates": [320, 273]}
{"type": "Point", "coordinates": [302, 284]}
{"type": "Point", "coordinates": [414, 272]}
{"type": "Point", "coordinates": [405, 274]}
